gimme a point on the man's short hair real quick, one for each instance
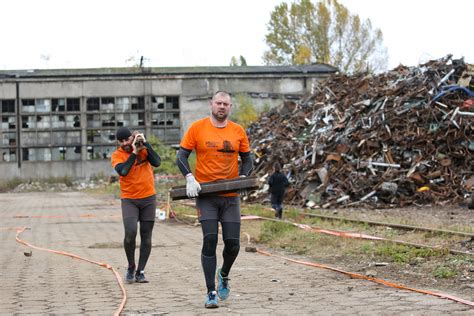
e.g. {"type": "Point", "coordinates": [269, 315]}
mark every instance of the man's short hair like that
{"type": "Point", "coordinates": [221, 92]}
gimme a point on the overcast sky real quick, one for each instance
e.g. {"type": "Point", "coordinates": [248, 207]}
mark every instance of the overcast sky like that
{"type": "Point", "coordinates": [102, 33]}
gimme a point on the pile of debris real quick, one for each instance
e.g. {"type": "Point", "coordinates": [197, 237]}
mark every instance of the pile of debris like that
{"type": "Point", "coordinates": [405, 137]}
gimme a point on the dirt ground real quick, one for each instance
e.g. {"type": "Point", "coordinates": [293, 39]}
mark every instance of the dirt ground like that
{"type": "Point", "coordinates": [414, 274]}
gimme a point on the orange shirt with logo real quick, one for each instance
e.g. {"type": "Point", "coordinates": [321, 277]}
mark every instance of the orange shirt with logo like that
{"type": "Point", "coordinates": [216, 149]}
{"type": "Point", "coordinates": [139, 183]}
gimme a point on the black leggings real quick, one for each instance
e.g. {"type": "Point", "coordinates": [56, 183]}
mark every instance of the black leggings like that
{"type": "Point", "coordinates": [231, 237]}
{"type": "Point", "coordinates": [129, 243]}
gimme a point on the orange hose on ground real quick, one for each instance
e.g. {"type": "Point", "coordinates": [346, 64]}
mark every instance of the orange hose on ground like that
{"type": "Point", "coordinates": [104, 265]}
{"type": "Point", "coordinates": [355, 275]}
{"type": "Point", "coordinates": [376, 280]}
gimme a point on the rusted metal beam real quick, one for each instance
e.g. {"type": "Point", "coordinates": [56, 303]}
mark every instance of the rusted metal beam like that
{"type": "Point", "coordinates": [217, 187]}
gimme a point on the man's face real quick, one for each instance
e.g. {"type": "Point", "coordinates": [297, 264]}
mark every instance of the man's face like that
{"type": "Point", "coordinates": [126, 144]}
{"type": "Point", "coordinates": [220, 107]}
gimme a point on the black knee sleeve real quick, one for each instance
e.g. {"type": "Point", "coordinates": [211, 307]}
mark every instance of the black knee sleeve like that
{"type": "Point", "coordinates": [209, 245]}
{"type": "Point", "coordinates": [232, 246]}
{"type": "Point", "coordinates": [130, 232]}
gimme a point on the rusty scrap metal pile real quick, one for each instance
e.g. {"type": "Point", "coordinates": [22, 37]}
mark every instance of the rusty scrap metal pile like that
{"type": "Point", "coordinates": [405, 137]}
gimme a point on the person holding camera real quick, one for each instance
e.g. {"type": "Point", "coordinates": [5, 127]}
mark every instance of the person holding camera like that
{"type": "Point", "coordinates": [134, 160]}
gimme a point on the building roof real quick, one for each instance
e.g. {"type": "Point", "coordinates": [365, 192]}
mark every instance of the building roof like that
{"type": "Point", "coordinates": [313, 69]}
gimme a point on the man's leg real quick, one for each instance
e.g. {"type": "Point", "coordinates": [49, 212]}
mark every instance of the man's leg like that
{"type": "Point", "coordinates": [130, 218]}
{"type": "Point", "coordinates": [146, 229]}
{"type": "Point", "coordinates": [208, 252]}
{"type": "Point", "coordinates": [230, 221]}
{"type": "Point", "coordinates": [147, 216]}
{"type": "Point", "coordinates": [279, 202]}
{"type": "Point", "coordinates": [231, 236]}
{"type": "Point", "coordinates": [130, 225]}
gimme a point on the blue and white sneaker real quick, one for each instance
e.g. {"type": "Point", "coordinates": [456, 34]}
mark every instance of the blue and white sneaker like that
{"type": "Point", "coordinates": [211, 300]}
{"type": "Point", "coordinates": [140, 277]}
{"type": "Point", "coordinates": [223, 288]}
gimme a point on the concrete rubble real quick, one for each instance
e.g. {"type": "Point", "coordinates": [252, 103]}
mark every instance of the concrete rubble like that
{"type": "Point", "coordinates": [405, 137]}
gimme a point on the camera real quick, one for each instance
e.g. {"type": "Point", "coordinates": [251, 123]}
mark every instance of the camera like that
{"type": "Point", "coordinates": [139, 142]}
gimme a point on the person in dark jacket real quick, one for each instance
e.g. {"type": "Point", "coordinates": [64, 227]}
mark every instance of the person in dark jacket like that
{"type": "Point", "coordinates": [278, 182]}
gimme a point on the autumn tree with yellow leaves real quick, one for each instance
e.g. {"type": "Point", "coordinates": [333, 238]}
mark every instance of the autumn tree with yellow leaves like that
{"type": "Point", "coordinates": [323, 32]}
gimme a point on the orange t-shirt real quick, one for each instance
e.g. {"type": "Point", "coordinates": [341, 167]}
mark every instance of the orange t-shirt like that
{"type": "Point", "coordinates": [216, 149]}
{"type": "Point", "coordinates": [139, 183]}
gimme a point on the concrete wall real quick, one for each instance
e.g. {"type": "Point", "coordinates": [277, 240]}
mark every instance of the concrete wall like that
{"type": "Point", "coordinates": [7, 90]}
{"type": "Point", "coordinates": [49, 169]}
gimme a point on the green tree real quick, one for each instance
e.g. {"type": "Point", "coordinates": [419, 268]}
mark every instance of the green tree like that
{"type": "Point", "coordinates": [323, 32]}
{"type": "Point", "coordinates": [167, 155]}
{"type": "Point", "coordinates": [244, 112]}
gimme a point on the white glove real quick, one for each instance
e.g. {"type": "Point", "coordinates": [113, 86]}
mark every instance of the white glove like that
{"type": "Point", "coordinates": [192, 186]}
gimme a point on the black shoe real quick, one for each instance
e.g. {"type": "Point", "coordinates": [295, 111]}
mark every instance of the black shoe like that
{"type": "Point", "coordinates": [140, 277]}
{"type": "Point", "coordinates": [129, 277]}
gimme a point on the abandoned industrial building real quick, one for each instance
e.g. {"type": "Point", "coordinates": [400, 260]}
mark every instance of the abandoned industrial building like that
{"type": "Point", "coordinates": [63, 122]}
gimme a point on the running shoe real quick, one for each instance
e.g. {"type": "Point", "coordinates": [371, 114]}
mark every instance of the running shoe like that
{"type": "Point", "coordinates": [223, 288]}
{"type": "Point", "coordinates": [140, 277]}
{"type": "Point", "coordinates": [130, 276]}
{"type": "Point", "coordinates": [211, 300]}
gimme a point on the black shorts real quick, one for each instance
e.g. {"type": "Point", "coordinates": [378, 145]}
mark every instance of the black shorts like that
{"type": "Point", "coordinates": [141, 209]}
{"type": "Point", "coordinates": [225, 209]}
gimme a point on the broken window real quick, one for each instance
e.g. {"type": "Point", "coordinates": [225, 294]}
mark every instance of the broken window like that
{"type": "Point", "coordinates": [122, 104]}
{"type": "Point", "coordinates": [73, 121]}
{"type": "Point", "coordinates": [8, 155]}
{"type": "Point", "coordinates": [43, 105]}
{"type": "Point", "coordinates": [8, 122]}
{"type": "Point", "coordinates": [93, 137]}
{"type": "Point", "coordinates": [157, 103]}
{"type": "Point", "coordinates": [108, 120]}
{"type": "Point", "coordinates": [28, 105]}
{"type": "Point", "coordinates": [123, 119]}
{"type": "Point", "coordinates": [93, 120]}
{"type": "Point", "coordinates": [107, 104]}
{"type": "Point", "coordinates": [172, 103]}
{"type": "Point", "coordinates": [58, 121]}
{"type": "Point", "coordinates": [28, 121]}
{"type": "Point", "coordinates": [138, 103]}
{"type": "Point", "coordinates": [43, 121]}
{"type": "Point", "coordinates": [137, 119]}
{"type": "Point", "coordinates": [58, 105]}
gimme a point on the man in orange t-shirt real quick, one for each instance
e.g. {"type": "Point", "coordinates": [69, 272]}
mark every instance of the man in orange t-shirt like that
{"type": "Point", "coordinates": [133, 161]}
{"type": "Point", "coordinates": [218, 143]}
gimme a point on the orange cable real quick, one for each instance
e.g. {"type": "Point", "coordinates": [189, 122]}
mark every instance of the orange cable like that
{"type": "Point", "coordinates": [104, 265]}
{"type": "Point", "coordinates": [355, 275]}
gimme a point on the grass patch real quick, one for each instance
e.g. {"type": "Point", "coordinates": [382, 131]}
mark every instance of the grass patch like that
{"type": "Point", "coordinates": [8, 185]}
{"type": "Point", "coordinates": [407, 254]}
{"type": "Point", "coordinates": [275, 230]}
{"type": "Point", "coordinates": [444, 272]}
